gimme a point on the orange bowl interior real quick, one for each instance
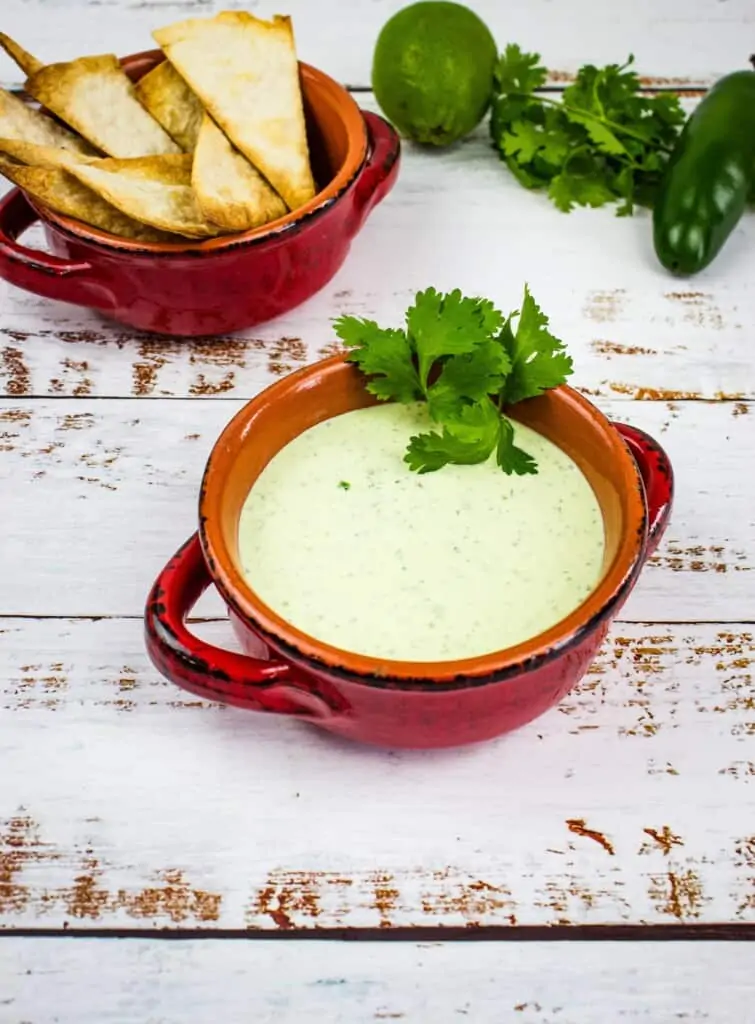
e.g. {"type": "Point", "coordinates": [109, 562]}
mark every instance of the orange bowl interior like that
{"type": "Point", "coordinates": [332, 387]}
{"type": "Point", "coordinates": [337, 139]}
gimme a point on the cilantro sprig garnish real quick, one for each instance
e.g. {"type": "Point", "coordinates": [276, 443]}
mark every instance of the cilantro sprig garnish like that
{"type": "Point", "coordinates": [468, 363]}
{"type": "Point", "coordinates": [604, 141]}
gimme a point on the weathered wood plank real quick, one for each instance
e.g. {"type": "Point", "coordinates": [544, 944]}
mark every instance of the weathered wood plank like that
{"type": "Point", "coordinates": [125, 803]}
{"type": "Point", "coordinates": [110, 491]}
{"type": "Point", "coordinates": [131, 804]}
{"type": "Point", "coordinates": [633, 330]}
{"type": "Point", "coordinates": [91, 982]}
{"type": "Point", "coordinates": [673, 41]}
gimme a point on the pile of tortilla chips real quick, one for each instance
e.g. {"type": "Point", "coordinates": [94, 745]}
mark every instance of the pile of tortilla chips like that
{"type": "Point", "coordinates": [211, 141]}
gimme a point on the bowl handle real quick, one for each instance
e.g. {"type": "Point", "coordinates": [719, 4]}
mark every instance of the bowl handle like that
{"type": "Point", "coordinates": [378, 175]}
{"type": "Point", "coordinates": [657, 476]}
{"type": "Point", "coordinates": [209, 671]}
{"type": "Point", "coordinates": [37, 271]}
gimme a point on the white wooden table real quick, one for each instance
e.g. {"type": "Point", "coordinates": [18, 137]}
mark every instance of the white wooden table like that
{"type": "Point", "coordinates": [130, 814]}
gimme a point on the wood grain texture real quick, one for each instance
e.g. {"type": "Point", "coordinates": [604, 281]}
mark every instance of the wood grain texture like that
{"type": "Point", "coordinates": [131, 804]}
{"type": "Point", "coordinates": [674, 40]}
{"type": "Point", "coordinates": [111, 488]}
{"type": "Point", "coordinates": [126, 803]}
{"type": "Point", "coordinates": [634, 331]}
{"type": "Point", "coordinates": [90, 982]}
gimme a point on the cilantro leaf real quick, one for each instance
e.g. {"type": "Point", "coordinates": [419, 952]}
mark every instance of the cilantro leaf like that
{"type": "Point", "coordinates": [465, 440]}
{"type": "Point", "coordinates": [625, 186]}
{"type": "Point", "coordinates": [664, 108]}
{"type": "Point", "coordinates": [569, 190]}
{"type": "Point", "coordinates": [510, 458]}
{"type": "Point", "coordinates": [559, 142]}
{"type": "Point", "coordinates": [385, 354]}
{"type": "Point", "coordinates": [525, 175]}
{"type": "Point", "coordinates": [471, 376]}
{"type": "Point", "coordinates": [538, 359]}
{"type": "Point", "coordinates": [445, 325]}
{"type": "Point", "coordinates": [460, 356]}
{"type": "Point", "coordinates": [523, 140]}
{"type": "Point", "coordinates": [604, 139]}
{"type": "Point", "coordinates": [519, 72]}
{"type": "Point", "coordinates": [588, 101]}
{"type": "Point", "coordinates": [603, 142]}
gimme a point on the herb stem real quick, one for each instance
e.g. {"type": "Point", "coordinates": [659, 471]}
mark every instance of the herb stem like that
{"type": "Point", "coordinates": [622, 129]}
{"type": "Point", "coordinates": [579, 150]}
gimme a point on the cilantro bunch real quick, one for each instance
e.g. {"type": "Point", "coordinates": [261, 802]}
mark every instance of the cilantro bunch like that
{"type": "Point", "coordinates": [603, 142]}
{"type": "Point", "coordinates": [468, 362]}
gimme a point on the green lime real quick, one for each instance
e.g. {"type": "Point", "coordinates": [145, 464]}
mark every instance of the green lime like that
{"type": "Point", "coordinates": [432, 71]}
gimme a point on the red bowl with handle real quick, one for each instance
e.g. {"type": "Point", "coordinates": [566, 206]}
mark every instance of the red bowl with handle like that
{"type": "Point", "coordinates": [227, 283]}
{"type": "Point", "coordinates": [395, 703]}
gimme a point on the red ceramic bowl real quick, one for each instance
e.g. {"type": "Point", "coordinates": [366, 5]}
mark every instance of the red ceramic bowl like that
{"type": "Point", "coordinates": [393, 703]}
{"type": "Point", "coordinates": [227, 283]}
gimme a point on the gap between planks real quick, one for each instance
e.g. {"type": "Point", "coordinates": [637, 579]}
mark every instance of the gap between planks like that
{"type": "Point", "coordinates": [653, 87]}
{"type": "Point", "coordinates": [731, 932]}
{"type": "Point", "coordinates": [646, 395]}
{"type": "Point", "coordinates": [208, 619]}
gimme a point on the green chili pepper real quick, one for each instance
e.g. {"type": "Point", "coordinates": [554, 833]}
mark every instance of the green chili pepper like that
{"type": "Point", "coordinates": [709, 177]}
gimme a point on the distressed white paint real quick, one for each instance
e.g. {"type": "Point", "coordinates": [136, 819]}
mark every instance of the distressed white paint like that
{"type": "Point", "coordinates": [125, 802]}
{"type": "Point", "coordinates": [130, 803]}
{"type": "Point", "coordinates": [632, 328]}
{"type": "Point", "coordinates": [671, 39]}
{"type": "Point", "coordinates": [48, 981]}
{"type": "Point", "coordinates": [98, 495]}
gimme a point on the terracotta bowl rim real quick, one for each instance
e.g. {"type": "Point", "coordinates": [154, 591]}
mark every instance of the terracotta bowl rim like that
{"type": "Point", "coordinates": [273, 231]}
{"type": "Point", "coordinates": [496, 666]}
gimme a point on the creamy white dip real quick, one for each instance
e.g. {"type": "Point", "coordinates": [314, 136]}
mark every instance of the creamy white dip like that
{"type": "Point", "coordinates": [343, 541]}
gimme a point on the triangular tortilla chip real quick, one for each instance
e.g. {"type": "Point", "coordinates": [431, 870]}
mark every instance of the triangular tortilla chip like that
{"type": "Point", "coordinates": [19, 121]}
{"type": "Point", "coordinates": [60, 191]}
{"type": "Point", "coordinates": [246, 74]}
{"type": "Point", "coordinates": [95, 96]}
{"type": "Point", "coordinates": [168, 168]}
{"type": "Point", "coordinates": [172, 103]}
{"type": "Point", "coordinates": [153, 190]}
{"type": "Point", "coordinates": [40, 155]}
{"type": "Point", "coordinates": [230, 192]}
{"type": "Point", "coordinates": [28, 64]}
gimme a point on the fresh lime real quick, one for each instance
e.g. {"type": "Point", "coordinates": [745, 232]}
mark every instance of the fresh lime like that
{"type": "Point", "coordinates": [432, 71]}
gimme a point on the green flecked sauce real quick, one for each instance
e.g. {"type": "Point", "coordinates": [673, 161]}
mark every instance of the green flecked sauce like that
{"type": "Point", "coordinates": [343, 541]}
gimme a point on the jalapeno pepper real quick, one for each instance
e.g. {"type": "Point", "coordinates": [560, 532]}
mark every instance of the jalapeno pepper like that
{"type": "Point", "coordinates": [709, 177]}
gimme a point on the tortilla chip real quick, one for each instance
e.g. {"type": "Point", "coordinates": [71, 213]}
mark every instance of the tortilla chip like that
{"type": "Point", "coordinates": [245, 72]}
{"type": "Point", "coordinates": [36, 155]}
{"type": "Point", "coordinates": [171, 102]}
{"type": "Point", "coordinates": [28, 64]}
{"type": "Point", "coordinates": [168, 168]}
{"type": "Point", "coordinates": [95, 96]}
{"type": "Point", "coordinates": [230, 192]}
{"type": "Point", "coordinates": [19, 121]}
{"type": "Point", "coordinates": [60, 191]}
{"type": "Point", "coordinates": [153, 190]}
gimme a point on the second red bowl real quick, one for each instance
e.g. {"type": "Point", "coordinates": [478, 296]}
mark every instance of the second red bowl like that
{"type": "Point", "coordinates": [227, 283]}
